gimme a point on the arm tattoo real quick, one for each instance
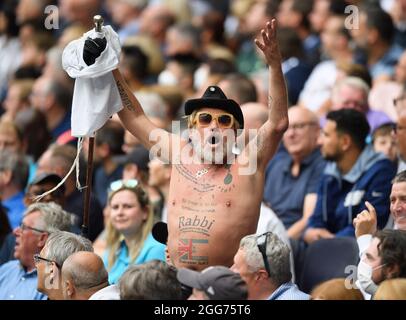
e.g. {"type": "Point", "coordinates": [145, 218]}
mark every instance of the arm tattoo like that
{"type": "Point", "coordinates": [260, 139]}
{"type": "Point", "coordinates": [270, 102]}
{"type": "Point", "coordinates": [124, 97]}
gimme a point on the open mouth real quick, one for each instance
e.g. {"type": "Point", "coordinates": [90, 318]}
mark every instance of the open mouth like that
{"type": "Point", "coordinates": [213, 140]}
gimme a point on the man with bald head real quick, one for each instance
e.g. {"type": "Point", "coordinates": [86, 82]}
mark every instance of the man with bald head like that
{"type": "Point", "coordinates": [292, 177]}
{"type": "Point", "coordinates": [155, 21]}
{"type": "Point", "coordinates": [255, 115]}
{"type": "Point", "coordinates": [84, 277]}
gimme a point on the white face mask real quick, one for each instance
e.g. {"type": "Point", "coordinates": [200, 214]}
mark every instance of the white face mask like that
{"type": "Point", "coordinates": [200, 77]}
{"type": "Point", "coordinates": [364, 273]}
{"type": "Point", "coordinates": [167, 78]}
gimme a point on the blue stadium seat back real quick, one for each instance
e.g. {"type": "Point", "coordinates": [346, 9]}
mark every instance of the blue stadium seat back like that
{"type": "Point", "coordinates": [326, 259]}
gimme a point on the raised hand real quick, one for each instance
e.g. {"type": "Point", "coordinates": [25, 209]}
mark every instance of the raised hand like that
{"type": "Point", "coordinates": [93, 49]}
{"type": "Point", "coordinates": [269, 45]}
{"type": "Point", "coordinates": [365, 222]}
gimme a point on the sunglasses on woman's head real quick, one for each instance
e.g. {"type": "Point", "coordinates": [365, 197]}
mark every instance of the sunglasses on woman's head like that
{"type": "Point", "coordinates": [118, 184]}
{"type": "Point", "coordinates": [224, 120]}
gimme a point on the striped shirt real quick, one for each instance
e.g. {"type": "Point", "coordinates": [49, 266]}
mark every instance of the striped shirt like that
{"type": "Point", "coordinates": [288, 291]}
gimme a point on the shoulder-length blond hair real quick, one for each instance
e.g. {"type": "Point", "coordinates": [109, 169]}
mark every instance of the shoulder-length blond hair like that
{"type": "Point", "coordinates": [391, 289]}
{"type": "Point", "coordinates": [114, 237]}
{"type": "Point", "coordinates": [335, 289]}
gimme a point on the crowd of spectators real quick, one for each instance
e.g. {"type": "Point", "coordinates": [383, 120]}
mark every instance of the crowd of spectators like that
{"type": "Point", "coordinates": [339, 172]}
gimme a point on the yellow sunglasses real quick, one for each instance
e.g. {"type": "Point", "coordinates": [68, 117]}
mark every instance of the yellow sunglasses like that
{"type": "Point", "coordinates": [224, 120]}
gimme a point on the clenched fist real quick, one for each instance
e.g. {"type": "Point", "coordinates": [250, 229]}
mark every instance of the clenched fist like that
{"type": "Point", "coordinates": [93, 49]}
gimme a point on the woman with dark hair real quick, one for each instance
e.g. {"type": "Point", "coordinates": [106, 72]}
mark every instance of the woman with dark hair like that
{"type": "Point", "coordinates": [10, 49]}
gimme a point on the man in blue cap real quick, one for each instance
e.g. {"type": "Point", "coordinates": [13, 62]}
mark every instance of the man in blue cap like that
{"type": "Point", "coordinates": [214, 199]}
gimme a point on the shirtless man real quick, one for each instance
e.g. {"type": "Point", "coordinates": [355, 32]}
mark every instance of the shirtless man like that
{"type": "Point", "coordinates": [211, 205]}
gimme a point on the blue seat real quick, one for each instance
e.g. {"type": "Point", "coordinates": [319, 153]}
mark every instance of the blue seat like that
{"type": "Point", "coordinates": [326, 259]}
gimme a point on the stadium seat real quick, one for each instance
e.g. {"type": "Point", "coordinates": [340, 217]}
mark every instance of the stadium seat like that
{"type": "Point", "coordinates": [326, 259]}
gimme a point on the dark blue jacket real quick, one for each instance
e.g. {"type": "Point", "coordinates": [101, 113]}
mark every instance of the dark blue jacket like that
{"type": "Point", "coordinates": [341, 198]}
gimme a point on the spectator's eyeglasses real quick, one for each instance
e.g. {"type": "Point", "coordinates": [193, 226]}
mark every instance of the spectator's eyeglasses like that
{"type": "Point", "coordinates": [301, 126]}
{"type": "Point", "coordinates": [118, 184]}
{"type": "Point", "coordinates": [25, 227]}
{"type": "Point", "coordinates": [224, 120]}
{"type": "Point", "coordinates": [38, 259]}
{"type": "Point", "coordinates": [262, 241]}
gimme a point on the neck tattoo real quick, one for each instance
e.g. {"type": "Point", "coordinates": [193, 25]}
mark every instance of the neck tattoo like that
{"type": "Point", "coordinates": [227, 179]}
{"type": "Point", "coordinates": [202, 172]}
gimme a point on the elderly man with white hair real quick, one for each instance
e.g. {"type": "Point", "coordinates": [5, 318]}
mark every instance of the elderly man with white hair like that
{"type": "Point", "coordinates": [352, 93]}
{"type": "Point", "coordinates": [18, 278]}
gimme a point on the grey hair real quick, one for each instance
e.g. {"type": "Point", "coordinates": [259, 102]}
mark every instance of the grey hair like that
{"type": "Point", "coordinates": [61, 244]}
{"type": "Point", "coordinates": [18, 165]}
{"type": "Point", "coordinates": [84, 278]}
{"type": "Point", "coordinates": [153, 280]}
{"type": "Point", "coordinates": [153, 105]}
{"type": "Point", "coordinates": [277, 252]}
{"type": "Point", "coordinates": [353, 82]}
{"type": "Point", "coordinates": [187, 33]}
{"type": "Point", "coordinates": [62, 95]}
{"type": "Point", "coordinates": [54, 55]}
{"type": "Point", "coordinates": [52, 217]}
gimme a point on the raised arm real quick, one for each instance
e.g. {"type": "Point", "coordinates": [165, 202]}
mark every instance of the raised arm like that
{"type": "Point", "coordinates": [132, 115]}
{"type": "Point", "coordinates": [270, 134]}
{"type": "Point", "coordinates": [134, 120]}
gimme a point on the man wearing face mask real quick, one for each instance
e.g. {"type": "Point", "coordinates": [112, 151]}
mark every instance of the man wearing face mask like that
{"type": "Point", "coordinates": [384, 259]}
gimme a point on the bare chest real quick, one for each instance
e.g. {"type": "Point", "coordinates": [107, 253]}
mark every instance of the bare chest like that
{"type": "Point", "coordinates": [207, 207]}
{"type": "Point", "coordinates": [202, 187]}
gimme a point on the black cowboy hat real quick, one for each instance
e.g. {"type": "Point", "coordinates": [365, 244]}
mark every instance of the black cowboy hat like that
{"type": "Point", "coordinates": [214, 97]}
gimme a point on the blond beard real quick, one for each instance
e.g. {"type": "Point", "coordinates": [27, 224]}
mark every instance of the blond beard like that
{"type": "Point", "coordinates": [218, 156]}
